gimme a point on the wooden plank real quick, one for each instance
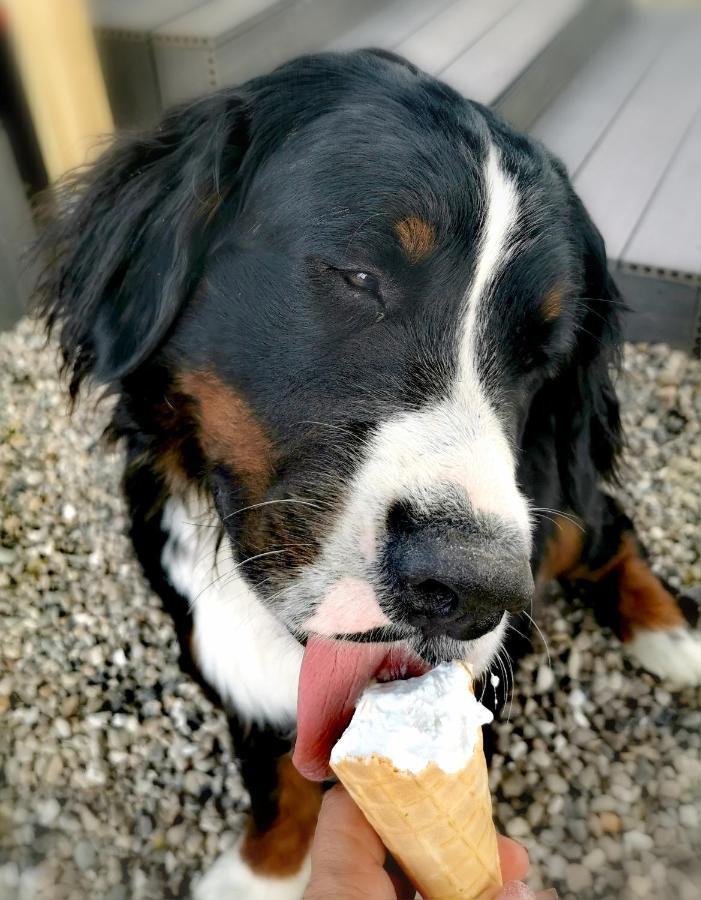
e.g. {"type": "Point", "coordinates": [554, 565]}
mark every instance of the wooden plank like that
{"type": "Point", "coordinates": [388, 26]}
{"type": "Point", "coordinates": [434, 46]}
{"type": "Point", "coordinates": [542, 79]}
{"type": "Point", "coordinates": [580, 114]}
{"type": "Point", "coordinates": [191, 64]}
{"type": "Point", "coordinates": [668, 235]}
{"type": "Point", "coordinates": [486, 69]}
{"type": "Point", "coordinates": [620, 175]}
{"type": "Point", "coordinates": [217, 20]}
{"type": "Point", "coordinates": [62, 80]}
{"type": "Point", "coordinates": [293, 29]}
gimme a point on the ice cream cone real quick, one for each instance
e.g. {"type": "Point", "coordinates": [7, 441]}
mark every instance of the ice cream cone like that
{"type": "Point", "coordinates": [437, 824]}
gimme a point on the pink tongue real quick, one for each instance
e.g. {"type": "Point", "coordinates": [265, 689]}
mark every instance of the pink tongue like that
{"type": "Point", "coordinates": [334, 674]}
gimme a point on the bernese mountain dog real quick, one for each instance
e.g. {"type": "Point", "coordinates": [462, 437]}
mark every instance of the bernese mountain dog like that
{"type": "Point", "coordinates": [361, 335]}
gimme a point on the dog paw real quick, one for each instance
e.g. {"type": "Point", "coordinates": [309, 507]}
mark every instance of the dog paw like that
{"type": "Point", "coordinates": [231, 878]}
{"type": "Point", "coordinates": [673, 654]}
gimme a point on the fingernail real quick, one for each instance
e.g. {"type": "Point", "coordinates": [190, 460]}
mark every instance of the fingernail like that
{"type": "Point", "coordinates": [516, 890]}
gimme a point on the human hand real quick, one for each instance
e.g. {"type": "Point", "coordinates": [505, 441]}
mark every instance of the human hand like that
{"type": "Point", "coordinates": [350, 862]}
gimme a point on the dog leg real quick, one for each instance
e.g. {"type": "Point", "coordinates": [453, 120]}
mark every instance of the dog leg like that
{"type": "Point", "coordinates": [271, 858]}
{"type": "Point", "coordinates": [609, 567]}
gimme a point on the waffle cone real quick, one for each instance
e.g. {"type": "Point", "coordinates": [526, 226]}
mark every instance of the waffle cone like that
{"type": "Point", "coordinates": [438, 826]}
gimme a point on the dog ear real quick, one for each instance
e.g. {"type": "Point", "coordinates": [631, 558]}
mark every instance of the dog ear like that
{"type": "Point", "coordinates": [587, 419]}
{"type": "Point", "coordinates": [127, 245]}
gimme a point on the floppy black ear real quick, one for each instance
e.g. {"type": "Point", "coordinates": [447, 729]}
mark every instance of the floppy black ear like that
{"type": "Point", "coordinates": [587, 420]}
{"type": "Point", "coordinates": [125, 248]}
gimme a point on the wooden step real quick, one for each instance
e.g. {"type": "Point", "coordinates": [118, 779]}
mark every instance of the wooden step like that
{"type": "Point", "coordinates": [220, 43]}
{"type": "Point", "coordinates": [515, 54]}
{"type": "Point", "coordinates": [123, 32]}
{"type": "Point", "coordinates": [629, 129]}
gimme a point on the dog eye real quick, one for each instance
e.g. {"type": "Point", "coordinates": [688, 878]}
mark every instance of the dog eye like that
{"type": "Point", "coordinates": [363, 281]}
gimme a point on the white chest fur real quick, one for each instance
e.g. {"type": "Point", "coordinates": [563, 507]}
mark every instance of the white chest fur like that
{"type": "Point", "coordinates": [242, 650]}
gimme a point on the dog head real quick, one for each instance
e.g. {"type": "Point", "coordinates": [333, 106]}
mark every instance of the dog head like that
{"type": "Point", "coordinates": [332, 299]}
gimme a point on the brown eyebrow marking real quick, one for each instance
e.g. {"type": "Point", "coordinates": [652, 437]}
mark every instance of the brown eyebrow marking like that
{"type": "Point", "coordinates": [229, 431]}
{"type": "Point", "coordinates": [417, 236]}
{"type": "Point", "coordinates": [552, 304]}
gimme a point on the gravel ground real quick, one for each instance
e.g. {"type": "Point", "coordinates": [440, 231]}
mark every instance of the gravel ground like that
{"type": "Point", "coordinates": [118, 778]}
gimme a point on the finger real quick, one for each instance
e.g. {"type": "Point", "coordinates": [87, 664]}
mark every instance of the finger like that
{"type": "Point", "coordinates": [513, 859]}
{"type": "Point", "coordinates": [347, 855]}
{"type": "Point", "coordinates": [517, 890]}
{"type": "Point", "coordinates": [343, 829]}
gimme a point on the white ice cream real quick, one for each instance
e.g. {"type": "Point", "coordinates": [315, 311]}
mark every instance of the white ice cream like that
{"type": "Point", "coordinates": [432, 718]}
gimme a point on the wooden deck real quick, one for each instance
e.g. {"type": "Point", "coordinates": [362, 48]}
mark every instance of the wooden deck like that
{"type": "Point", "coordinates": [629, 129]}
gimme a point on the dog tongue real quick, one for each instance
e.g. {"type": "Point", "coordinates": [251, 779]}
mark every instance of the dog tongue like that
{"type": "Point", "coordinates": [333, 676]}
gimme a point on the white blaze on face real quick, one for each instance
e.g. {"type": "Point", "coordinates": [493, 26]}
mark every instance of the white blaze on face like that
{"type": "Point", "coordinates": [491, 481]}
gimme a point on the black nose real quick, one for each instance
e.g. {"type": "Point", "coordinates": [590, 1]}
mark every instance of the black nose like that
{"type": "Point", "coordinates": [454, 580]}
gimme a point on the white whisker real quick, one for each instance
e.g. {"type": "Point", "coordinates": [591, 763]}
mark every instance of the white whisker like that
{"type": "Point", "coordinates": [269, 503]}
{"type": "Point", "coordinates": [543, 516]}
{"type": "Point", "coordinates": [230, 573]}
{"type": "Point", "coordinates": [542, 637]}
{"type": "Point", "coordinates": [558, 512]}
{"type": "Point", "coordinates": [512, 687]}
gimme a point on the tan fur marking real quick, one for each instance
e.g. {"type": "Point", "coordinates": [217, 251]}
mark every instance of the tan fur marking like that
{"type": "Point", "coordinates": [552, 304]}
{"type": "Point", "coordinates": [228, 430]}
{"type": "Point", "coordinates": [281, 850]}
{"type": "Point", "coordinates": [417, 237]}
{"type": "Point", "coordinates": [643, 601]}
{"type": "Point", "coordinates": [628, 549]}
{"type": "Point", "coordinates": [169, 465]}
{"type": "Point", "coordinates": [562, 552]}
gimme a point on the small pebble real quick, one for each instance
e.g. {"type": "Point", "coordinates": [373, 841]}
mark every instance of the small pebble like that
{"type": "Point", "coordinates": [637, 841]}
{"type": "Point", "coordinates": [557, 784]}
{"type": "Point", "coordinates": [578, 878]}
{"type": "Point", "coordinates": [640, 885]}
{"type": "Point", "coordinates": [69, 512]}
{"type": "Point", "coordinates": [594, 860]}
{"type": "Point", "coordinates": [518, 827]}
{"type": "Point", "coordinates": [610, 822]}
{"type": "Point", "coordinates": [84, 855]}
{"type": "Point", "coordinates": [689, 816]}
{"type": "Point", "coordinates": [545, 679]}
{"type": "Point", "coordinates": [48, 811]}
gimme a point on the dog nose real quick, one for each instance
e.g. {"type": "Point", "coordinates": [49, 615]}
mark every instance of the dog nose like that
{"type": "Point", "coordinates": [452, 580]}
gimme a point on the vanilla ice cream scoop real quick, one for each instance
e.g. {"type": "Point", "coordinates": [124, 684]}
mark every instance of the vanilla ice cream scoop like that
{"type": "Point", "coordinates": [434, 718]}
{"type": "Point", "coordinates": [412, 759]}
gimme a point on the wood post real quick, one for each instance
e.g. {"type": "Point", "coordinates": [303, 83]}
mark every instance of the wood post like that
{"type": "Point", "coordinates": [62, 79]}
